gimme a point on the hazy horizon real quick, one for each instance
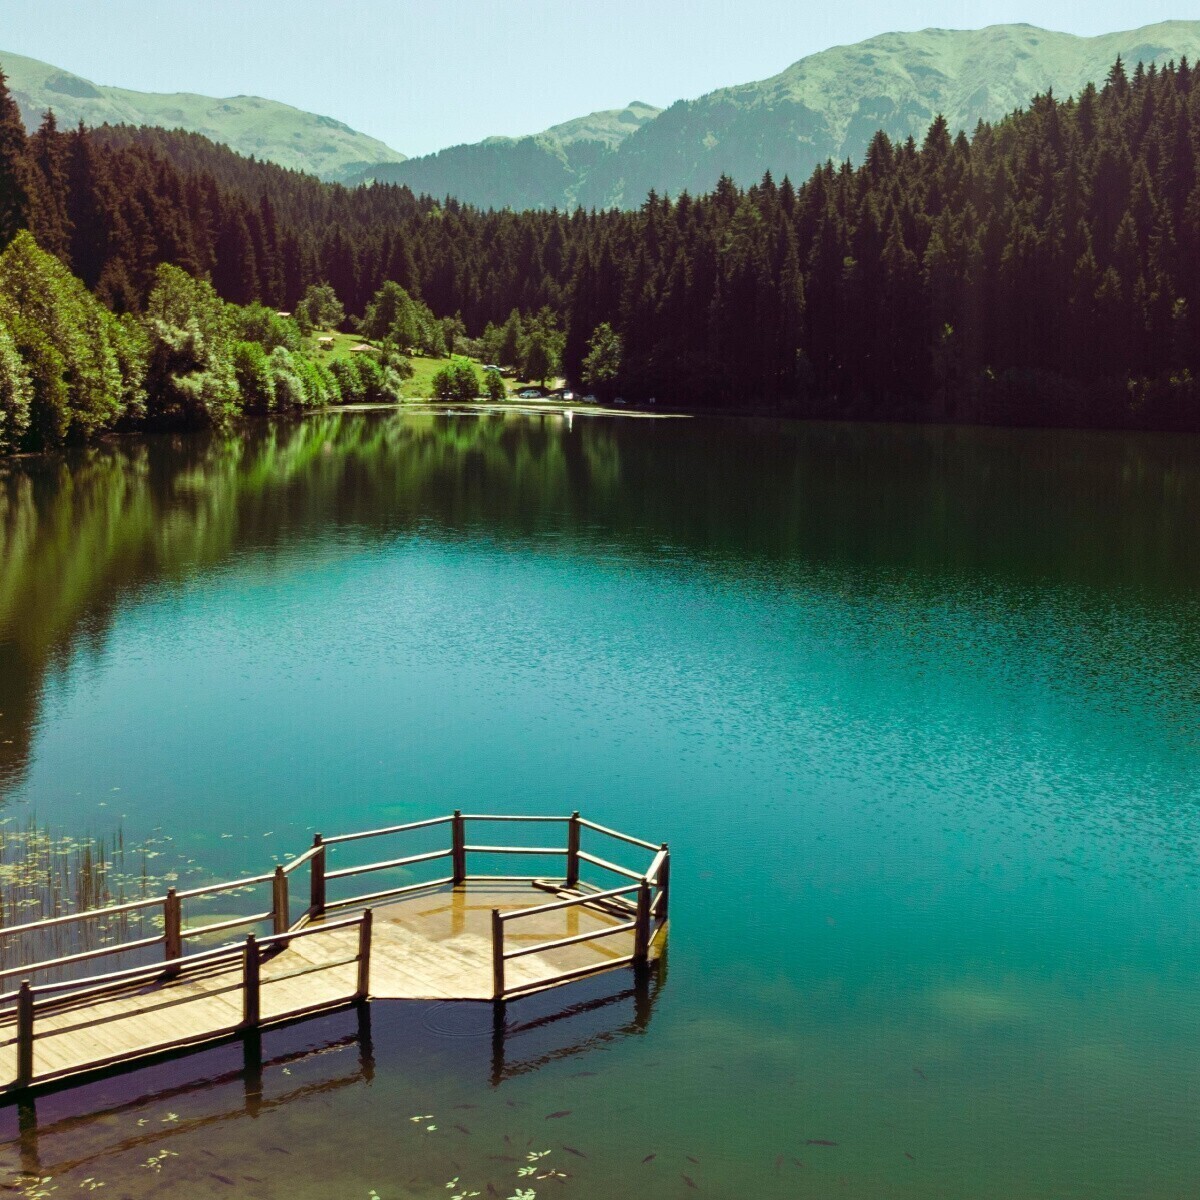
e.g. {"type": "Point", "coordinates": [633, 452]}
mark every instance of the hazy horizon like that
{"type": "Point", "coordinates": [384, 67]}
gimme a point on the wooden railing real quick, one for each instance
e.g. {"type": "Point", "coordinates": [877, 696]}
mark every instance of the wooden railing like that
{"type": "Point", "coordinates": [646, 915]}
{"type": "Point", "coordinates": [49, 999]}
{"type": "Point", "coordinates": [641, 903]}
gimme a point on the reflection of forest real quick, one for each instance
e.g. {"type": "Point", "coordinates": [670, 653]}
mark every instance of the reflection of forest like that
{"type": "Point", "coordinates": [83, 532]}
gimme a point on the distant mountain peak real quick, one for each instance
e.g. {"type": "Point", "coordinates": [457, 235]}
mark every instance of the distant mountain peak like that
{"type": "Point", "coordinates": [825, 105]}
{"type": "Point", "coordinates": [251, 125]}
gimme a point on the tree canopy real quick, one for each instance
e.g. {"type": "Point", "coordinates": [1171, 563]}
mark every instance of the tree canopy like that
{"type": "Point", "coordinates": [1045, 269]}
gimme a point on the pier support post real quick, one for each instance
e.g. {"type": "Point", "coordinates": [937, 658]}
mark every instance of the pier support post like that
{"type": "Point", "coordinates": [24, 1035]}
{"type": "Point", "coordinates": [251, 1007]}
{"type": "Point", "coordinates": [252, 1071]}
{"type": "Point", "coordinates": [497, 955]}
{"type": "Point", "coordinates": [499, 1028]}
{"type": "Point", "coordinates": [27, 1132]}
{"type": "Point", "coordinates": [664, 883]}
{"type": "Point", "coordinates": [279, 901]}
{"type": "Point", "coordinates": [172, 929]}
{"type": "Point", "coordinates": [641, 929]}
{"type": "Point", "coordinates": [573, 850]}
{"type": "Point", "coordinates": [458, 848]}
{"type": "Point", "coordinates": [364, 956]}
{"type": "Point", "coordinates": [316, 900]}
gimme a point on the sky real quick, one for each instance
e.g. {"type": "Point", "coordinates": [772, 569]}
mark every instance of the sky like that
{"type": "Point", "coordinates": [421, 76]}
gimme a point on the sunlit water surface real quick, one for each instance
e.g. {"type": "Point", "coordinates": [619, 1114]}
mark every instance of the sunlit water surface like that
{"type": "Point", "coordinates": [916, 710]}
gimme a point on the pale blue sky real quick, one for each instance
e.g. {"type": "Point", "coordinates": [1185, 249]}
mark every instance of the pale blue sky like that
{"type": "Point", "coordinates": [426, 75]}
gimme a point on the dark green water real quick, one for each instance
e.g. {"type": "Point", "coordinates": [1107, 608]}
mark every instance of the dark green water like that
{"type": "Point", "coordinates": [916, 709]}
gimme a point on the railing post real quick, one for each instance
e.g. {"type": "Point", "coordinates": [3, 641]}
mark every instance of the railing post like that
{"type": "Point", "coordinates": [172, 928]}
{"type": "Point", "coordinates": [279, 901]}
{"type": "Point", "coordinates": [251, 1008]}
{"type": "Point", "coordinates": [664, 883]}
{"type": "Point", "coordinates": [641, 930]}
{"type": "Point", "coordinates": [24, 1034]}
{"type": "Point", "coordinates": [317, 874]}
{"type": "Point", "coordinates": [364, 956]}
{"type": "Point", "coordinates": [497, 955]}
{"type": "Point", "coordinates": [458, 847]}
{"type": "Point", "coordinates": [573, 850]}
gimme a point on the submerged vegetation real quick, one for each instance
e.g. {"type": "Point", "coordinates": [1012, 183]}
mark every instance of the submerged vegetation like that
{"type": "Point", "coordinates": [45, 875]}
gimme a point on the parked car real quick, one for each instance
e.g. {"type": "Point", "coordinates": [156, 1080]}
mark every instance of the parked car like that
{"type": "Point", "coordinates": [530, 393]}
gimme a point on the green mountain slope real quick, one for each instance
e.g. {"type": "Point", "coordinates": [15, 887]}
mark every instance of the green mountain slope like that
{"type": "Point", "coordinates": [540, 171]}
{"type": "Point", "coordinates": [248, 124]}
{"type": "Point", "coordinates": [828, 105]}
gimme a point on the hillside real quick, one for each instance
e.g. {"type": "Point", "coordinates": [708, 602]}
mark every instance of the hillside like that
{"type": "Point", "coordinates": [266, 129]}
{"type": "Point", "coordinates": [543, 170]}
{"type": "Point", "coordinates": [827, 105]}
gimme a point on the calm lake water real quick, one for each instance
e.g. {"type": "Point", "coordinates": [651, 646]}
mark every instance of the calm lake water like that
{"type": "Point", "coordinates": [915, 708]}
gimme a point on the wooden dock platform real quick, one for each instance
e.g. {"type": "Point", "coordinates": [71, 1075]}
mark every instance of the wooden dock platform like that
{"type": "Point", "coordinates": [457, 937]}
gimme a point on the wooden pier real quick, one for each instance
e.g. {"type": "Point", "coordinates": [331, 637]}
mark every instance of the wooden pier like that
{"type": "Point", "coordinates": [458, 936]}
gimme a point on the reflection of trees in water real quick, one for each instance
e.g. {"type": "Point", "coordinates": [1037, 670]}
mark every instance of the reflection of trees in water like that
{"type": "Point", "coordinates": [917, 508]}
{"type": "Point", "coordinates": [83, 532]}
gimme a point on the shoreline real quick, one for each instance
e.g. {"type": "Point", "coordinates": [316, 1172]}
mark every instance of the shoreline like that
{"type": "Point", "coordinates": [525, 408]}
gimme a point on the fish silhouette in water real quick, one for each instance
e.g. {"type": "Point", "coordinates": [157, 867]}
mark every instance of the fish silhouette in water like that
{"type": "Point", "coordinates": [917, 1071]}
{"type": "Point", "coordinates": [462, 1129]}
{"type": "Point", "coordinates": [820, 1142]}
{"type": "Point", "coordinates": [503, 1158]}
{"type": "Point", "coordinates": [562, 1112]}
{"type": "Point", "coordinates": [690, 1182]}
{"type": "Point", "coordinates": [909, 1156]}
{"type": "Point", "coordinates": [512, 1103]}
{"type": "Point", "coordinates": [797, 1162]}
{"type": "Point", "coordinates": [778, 1161]}
{"type": "Point", "coordinates": [693, 1158]}
{"type": "Point", "coordinates": [466, 1106]}
{"type": "Point", "coordinates": [222, 1179]}
{"type": "Point", "coordinates": [492, 1190]}
{"type": "Point", "coordinates": [649, 1158]}
{"type": "Point", "coordinates": [577, 1153]}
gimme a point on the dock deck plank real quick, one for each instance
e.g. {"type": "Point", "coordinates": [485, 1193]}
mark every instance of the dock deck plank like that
{"type": "Point", "coordinates": [433, 945]}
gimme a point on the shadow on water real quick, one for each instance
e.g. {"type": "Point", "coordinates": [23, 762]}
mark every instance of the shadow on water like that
{"type": "Point", "coordinates": [73, 1128]}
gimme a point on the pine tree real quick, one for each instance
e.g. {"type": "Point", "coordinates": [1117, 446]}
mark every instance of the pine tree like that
{"type": "Point", "coordinates": [16, 184]}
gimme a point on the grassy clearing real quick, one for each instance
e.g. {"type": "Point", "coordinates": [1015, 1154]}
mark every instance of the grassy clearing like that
{"type": "Point", "coordinates": [419, 387]}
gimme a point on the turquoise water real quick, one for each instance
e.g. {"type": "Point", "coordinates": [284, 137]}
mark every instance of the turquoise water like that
{"type": "Point", "coordinates": [916, 710]}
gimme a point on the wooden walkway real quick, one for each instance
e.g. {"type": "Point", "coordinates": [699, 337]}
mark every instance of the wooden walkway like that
{"type": "Point", "coordinates": [457, 938]}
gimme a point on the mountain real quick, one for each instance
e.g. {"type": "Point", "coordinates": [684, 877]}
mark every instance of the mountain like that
{"type": "Point", "coordinates": [827, 105]}
{"type": "Point", "coordinates": [266, 129]}
{"type": "Point", "coordinates": [542, 170]}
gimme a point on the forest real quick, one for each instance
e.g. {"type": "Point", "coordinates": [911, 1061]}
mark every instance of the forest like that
{"type": "Point", "coordinates": [1044, 270]}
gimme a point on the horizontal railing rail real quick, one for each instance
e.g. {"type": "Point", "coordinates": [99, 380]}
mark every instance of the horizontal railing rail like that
{"type": "Point", "coordinates": [639, 906]}
{"type": "Point", "coordinates": [45, 1000]}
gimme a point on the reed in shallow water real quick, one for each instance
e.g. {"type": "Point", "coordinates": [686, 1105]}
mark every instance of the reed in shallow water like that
{"type": "Point", "coordinates": [45, 875]}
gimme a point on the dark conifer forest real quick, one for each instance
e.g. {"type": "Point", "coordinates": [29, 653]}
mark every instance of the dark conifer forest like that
{"type": "Point", "coordinates": [1044, 270]}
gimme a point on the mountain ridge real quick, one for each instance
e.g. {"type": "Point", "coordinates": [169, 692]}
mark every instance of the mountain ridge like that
{"type": "Point", "coordinates": [825, 105]}
{"type": "Point", "coordinates": [251, 125]}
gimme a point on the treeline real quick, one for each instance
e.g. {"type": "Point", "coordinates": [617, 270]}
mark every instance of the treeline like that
{"type": "Point", "coordinates": [1044, 270]}
{"type": "Point", "coordinates": [71, 368]}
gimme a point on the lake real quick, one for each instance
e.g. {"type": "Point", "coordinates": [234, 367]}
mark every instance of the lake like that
{"type": "Point", "coordinates": [916, 709]}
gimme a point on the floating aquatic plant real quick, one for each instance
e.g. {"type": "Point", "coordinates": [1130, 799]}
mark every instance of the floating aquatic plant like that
{"type": "Point", "coordinates": [44, 875]}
